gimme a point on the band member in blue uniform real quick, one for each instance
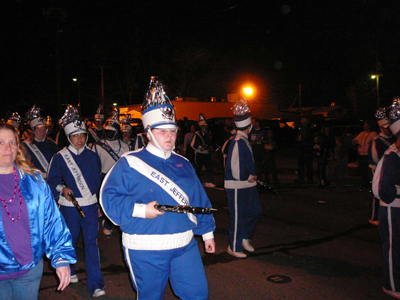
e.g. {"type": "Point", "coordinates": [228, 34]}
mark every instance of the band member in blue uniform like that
{"type": "Point", "coordinates": [40, 148]}
{"type": "Point", "coordinates": [96, 134]}
{"type": "Point", "coordinates": [201, 143]}
{"type": "Point", "coordinates": [378, 147]}
{"type": "Point", "coordinates": [159, 246]}
{"type": "Point", "coordinates": [110, 149]}
{"type": "Point", "coordinates": [76, 170]}
{"type": "Point", "coordinates": [385, 186]}
{"type": "Point", "coordinates": [126, 130]}
{"type": "Point", "coordinates": [245, 208]}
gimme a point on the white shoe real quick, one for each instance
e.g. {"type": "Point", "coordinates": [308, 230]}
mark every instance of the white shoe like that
{"type": "Point", "coordinates": [74, 279]}
{"type": "Point", "coordinates": [247, 246]}
{"type": "Point", "coordinates": [98, 293]}
{"type": "Point", "coordinates": [106, 231]}
{"type": "Point", "coordinates": [236, 254]}
{"type": "Point", "coordinates": [210, 185]}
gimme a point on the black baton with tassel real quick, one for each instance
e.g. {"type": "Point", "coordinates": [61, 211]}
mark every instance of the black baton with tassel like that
{"type": "Point", "coordinates": [267, 186]}
{"type": "Point", "coordinates": [184, 209]}
{"type": "Point", "coordinates": [75, 203]}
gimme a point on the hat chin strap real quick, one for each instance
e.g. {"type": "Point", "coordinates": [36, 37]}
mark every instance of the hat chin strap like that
{"type": "Point", "coordinates": [157, 145]}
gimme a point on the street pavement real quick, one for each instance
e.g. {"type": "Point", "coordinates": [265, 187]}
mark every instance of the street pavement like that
{"type": "Point", "coordinates": [311, 243]}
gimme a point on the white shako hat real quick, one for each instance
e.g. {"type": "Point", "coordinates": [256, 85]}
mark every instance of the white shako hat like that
{"type": "Point", "coordinates": [394, 116]}
{"type": "Point", "coordinates": [202, 119]}
{"type": "Point", "coordinates": [34, 117]}
{"type": "Point", "coordinates": [99, 114]}
{"type": "Point", "coordinates": [126, 124]}
{"type": "Point", "coordinates": [242, 114]}
{"type": "Point", "coordinates": [71, 122]}
{"type": "Point", "coordinates": [382, 117]}
{"type": "Point", "coordinates": [157, 109]}
{"type": "Point", "coordinates": [112, 123]}
{"type": "Point", "coordinates": [14, 120]}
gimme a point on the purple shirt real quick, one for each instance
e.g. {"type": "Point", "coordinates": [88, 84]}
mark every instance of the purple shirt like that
{"type": "Point", "coordinates": [18, 233]}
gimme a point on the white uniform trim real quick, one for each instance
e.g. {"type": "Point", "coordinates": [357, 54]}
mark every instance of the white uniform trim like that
{"type": "Point", "coordinates": [156, 241]}
{"type": "Point", "coordinates": [76, 173]}
{"type": "Point", "coordinates": [162, 181]}
{"type": "Point", "coordinates": [40, 157]}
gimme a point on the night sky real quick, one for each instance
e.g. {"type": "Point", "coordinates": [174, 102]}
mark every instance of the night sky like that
{"type": "Point", "coordinates": [200, 49]}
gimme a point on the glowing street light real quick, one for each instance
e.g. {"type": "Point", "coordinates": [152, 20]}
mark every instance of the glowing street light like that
{"type": "Point", "coordinates": [376, 76]}
{"type": "Point", "coordinates": [248, 91]}
{"type": "Point", "coordinates": [79, 95]}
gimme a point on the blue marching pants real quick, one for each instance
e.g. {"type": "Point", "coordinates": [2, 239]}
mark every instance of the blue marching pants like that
{"type": "Point", "coordinates": [245, 210]}
{"type": "Point", "coordinates": [90, 229]}
{"type": "Point", "coordinates": [389, 231]}
{"type": "Point", "coordinates": [151, 269]}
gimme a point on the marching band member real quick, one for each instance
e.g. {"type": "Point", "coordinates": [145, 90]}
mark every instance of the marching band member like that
{"type": "Point", "coordinates": [126, 130]}
{"type": "Point", "coordinates": [159, 246]}
{"type": "Point", "coordinates": [245, 208]}
{"type": "Point", "coordinates": [40, 148]}
{"type": "Point", "coordinates": [79, 168]}
{"type": "Point", "coordinates": [96, 134]}
{"type": "Point", "coordinates": [201, 143]}
{"type": "Point", "coordinates": [378, 147]}
{"type": "Point", "coordinates": [385, 186]}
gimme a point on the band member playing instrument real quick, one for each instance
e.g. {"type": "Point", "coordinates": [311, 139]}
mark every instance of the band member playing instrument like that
{"type": "Point", "coordinates": [79, 168]}
{"type": "Point", "coordinates": [158, 245]}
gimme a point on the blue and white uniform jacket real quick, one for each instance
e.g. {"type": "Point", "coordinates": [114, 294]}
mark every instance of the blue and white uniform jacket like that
{"type": "Point", "coordinates": [47, 149]}
{"type": "Point", "coordinates": [49, 233]}
{"type": "Point", "coordinates": [167, 178]}
{"type": "Point", "coordinates": [239, 164]}
{"type": "Point", "coordinates": [389, 178]}
{"type": "Point", "coordinates": [378, 147]}
{"type": "Point", "coordinates": [88, 163]}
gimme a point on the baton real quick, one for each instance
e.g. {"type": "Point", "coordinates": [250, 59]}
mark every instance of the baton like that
{"type": "Point", "coordinates": [75, 203]}
{"type": "Point", "coordinates": [267, 186]}
{"type": "Point", "coordinates": [184, 209]}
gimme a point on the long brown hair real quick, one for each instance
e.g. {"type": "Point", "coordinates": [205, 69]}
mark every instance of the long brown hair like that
{"type": "Point", "coordinates": [21, 160]}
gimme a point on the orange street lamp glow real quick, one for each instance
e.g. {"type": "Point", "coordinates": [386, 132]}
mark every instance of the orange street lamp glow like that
{"type": "Point", "coordinates": [248, 91]}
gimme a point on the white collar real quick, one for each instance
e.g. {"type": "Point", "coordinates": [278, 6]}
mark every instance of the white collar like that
{"type": "Point", "coordinates": [157, 152]}
{"type": "Point", "coordinates": [242, 133]}
{"type": "Point", "coordinates": [39, 141]}
{"type": "Point", "coordinates": [76, 151]}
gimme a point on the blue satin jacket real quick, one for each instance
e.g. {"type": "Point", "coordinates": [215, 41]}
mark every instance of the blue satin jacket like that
{"type": "Point", "coordinates": [49, 233]}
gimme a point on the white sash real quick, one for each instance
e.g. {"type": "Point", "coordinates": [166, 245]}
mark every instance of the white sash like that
{"type": "Point", "coordinates": [87, 197]}
{"type": "Point", "coordinates": [163, 181]}
{"type": "Point", "coordinates": [40, 157]}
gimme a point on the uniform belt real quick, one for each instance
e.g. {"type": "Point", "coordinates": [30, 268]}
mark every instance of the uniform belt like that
{"type": "Point", "coordinates": [236, 184]}
{"type": "Point", "coordinates": [81, 201]}
{"type": "Point", "coordinates": [156, 241]}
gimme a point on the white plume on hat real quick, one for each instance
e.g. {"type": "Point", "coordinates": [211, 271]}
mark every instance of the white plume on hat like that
{"type": "Point", "coordinates": [394, 115]}
{"type": "Point", "coordinates": [72, 123]}
{"type": "Point", "coordinates": [126, 124]}
{"type": "Point", "coordinates": [202, 119]}
{"type": "Point", "coordinates": [383, 119]}
{"type": "Point", "coordinates": [14, 120]}
{"type": "Point", "coordinates": [242, 114]}
{"type": "Point", "coordinates": [157, 109]}
{"type": "Point", "coordinates": [113, 122]}
{"type": "Point", "coordinates": [99, 114]}
{"type": "Point", "coordinates": [34, 117]}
